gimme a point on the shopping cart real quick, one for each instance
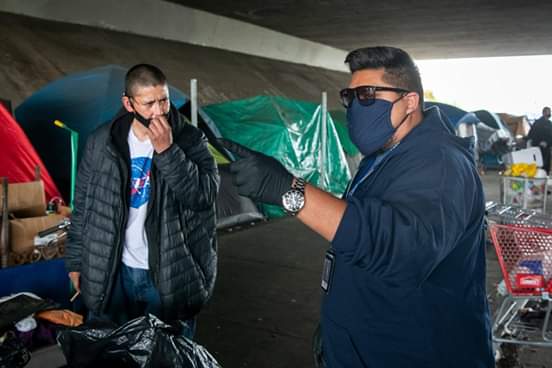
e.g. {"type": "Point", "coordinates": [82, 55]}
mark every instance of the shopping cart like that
{"type": "Point", "coordinates": [524, 252]}
{"type": "Point", "coordinates": [508, 214]}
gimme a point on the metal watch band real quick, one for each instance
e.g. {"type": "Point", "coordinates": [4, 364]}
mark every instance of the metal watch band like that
{"type": "Point", "coordinates": [299, 184]}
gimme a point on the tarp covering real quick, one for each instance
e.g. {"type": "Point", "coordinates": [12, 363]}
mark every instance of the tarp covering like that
{"type": "Point", "coordinates": [492, 120]}
{"type": "Point", "coordinates": [47, 279]}
{"type": "Point", "coordinates": [502, 133]}
{"type": "Point", "coordinates": [290, 131]}
{"type": "Point", "coordinates": [18, 158]}
{"type": "Point", "coordinates": [518, 125]}
{"type": "Point", "coordinates": [82, 101]}
{"type": "Point", "coordinates": [495, 139]}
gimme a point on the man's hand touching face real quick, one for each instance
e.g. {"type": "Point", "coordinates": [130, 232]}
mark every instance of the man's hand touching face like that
{"type": "Point", "coordinates": [160, 134]}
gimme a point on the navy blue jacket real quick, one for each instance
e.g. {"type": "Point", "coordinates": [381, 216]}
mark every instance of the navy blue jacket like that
{"type": "Point", "coordinates": [408, 285]}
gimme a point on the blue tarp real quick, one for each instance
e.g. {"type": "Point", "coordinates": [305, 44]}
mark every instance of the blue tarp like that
{"type": "Point", "coordinates": [82, 101]}
{"type": "Point", "coordinates": [47, 279]}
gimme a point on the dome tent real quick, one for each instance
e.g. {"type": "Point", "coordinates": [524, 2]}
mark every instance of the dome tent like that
{"type": "Point", "coordinates": [18, 158]}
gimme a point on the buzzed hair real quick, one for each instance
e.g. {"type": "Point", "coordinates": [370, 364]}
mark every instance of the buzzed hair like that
{"type": "Point", "coordinates": [143, 75]}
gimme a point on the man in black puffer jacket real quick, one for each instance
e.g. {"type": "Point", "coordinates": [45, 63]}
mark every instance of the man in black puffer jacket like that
{"type": "Point", "coordinates": [142, 238]}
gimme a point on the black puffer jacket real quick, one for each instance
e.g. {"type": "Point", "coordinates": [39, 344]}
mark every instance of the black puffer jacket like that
{"type": "Point", "coordinates": [180, 222]}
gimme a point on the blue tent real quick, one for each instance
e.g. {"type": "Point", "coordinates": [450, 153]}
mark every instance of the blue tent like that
{"type": "Point", "coordinates": [453, 113]}
{"type": "Point", "coordinates": [82, 101]}
{"type": "Point", "coordinates": [491, 119]}
{"type": "Point", "coordinates": [469, 118]}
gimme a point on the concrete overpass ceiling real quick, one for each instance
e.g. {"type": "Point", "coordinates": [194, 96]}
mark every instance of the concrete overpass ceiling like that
{"type": "Point", "coordinates": [427, 29]}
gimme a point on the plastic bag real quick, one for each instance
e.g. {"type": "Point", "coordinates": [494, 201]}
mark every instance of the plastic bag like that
{"type": "Point", "coordinates": [144, 342]}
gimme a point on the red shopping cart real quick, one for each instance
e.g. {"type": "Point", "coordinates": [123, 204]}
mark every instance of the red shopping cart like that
{"type": "Point", "coordinates": [525, 256]}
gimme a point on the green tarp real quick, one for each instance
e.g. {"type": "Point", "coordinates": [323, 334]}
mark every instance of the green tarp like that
{"type": "Point", "coordinates": [289, 130]}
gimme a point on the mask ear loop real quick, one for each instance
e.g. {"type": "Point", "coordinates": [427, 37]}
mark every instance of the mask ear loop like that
{"type": "Point", "coordinates": [406, 116]}
{"type": "Point", "coordinates": [403, 119]}
{"type": "Point", "coordinates": [137, 115]}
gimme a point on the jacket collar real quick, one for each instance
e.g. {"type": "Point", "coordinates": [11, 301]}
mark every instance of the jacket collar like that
{"type": "Point", "coordinates": [436, 126]}
{"type": "Point", "coordinates": [120, 127]}
{"type": "Point", "coordinates": [435, 122]}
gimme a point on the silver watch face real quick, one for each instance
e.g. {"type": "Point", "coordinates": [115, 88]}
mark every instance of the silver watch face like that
{"type": "Point", "coordinates": [293, 200]}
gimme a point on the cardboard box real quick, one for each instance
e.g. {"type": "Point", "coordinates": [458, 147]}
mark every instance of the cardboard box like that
{"type": "Point", "coordinates": [531, 155]}
{"type": "Point", "coordinates": [23, 231]}
{"type": "Point", "coordinates": [26, 199]}
{"type": "Point", "coordinates": [518, 125]}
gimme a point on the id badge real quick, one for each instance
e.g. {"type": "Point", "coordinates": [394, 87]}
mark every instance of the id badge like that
{"type": "Point", "coordinates": [327, 271]}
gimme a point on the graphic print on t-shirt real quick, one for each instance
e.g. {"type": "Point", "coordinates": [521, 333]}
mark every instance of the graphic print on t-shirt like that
{"type": "Point", "coordinates": [140, 182]}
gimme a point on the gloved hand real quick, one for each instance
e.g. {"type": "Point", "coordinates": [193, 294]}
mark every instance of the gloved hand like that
{"type": "Point", "coordinates": [256, 175]}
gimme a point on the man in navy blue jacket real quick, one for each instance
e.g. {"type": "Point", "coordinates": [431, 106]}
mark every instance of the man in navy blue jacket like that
{"type": "Point", "coordinates": [404, 278]}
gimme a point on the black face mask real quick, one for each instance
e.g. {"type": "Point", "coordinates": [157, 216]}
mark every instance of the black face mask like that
{"type": "Point", "coordinates": [145, 122]}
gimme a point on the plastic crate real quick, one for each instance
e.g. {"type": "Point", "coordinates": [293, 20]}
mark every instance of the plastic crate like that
{"type": "Point", "coordinates": [527, 193]}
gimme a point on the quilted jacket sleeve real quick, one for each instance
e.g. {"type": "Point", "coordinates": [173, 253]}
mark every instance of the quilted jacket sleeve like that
{"type": "Point", "coordinates": [73, 249]}
{"type": "Point", "coordinates": [190, 171]}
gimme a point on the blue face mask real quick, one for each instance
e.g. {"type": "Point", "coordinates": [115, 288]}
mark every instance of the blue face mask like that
{"type": "Point", "coordinates": [370, 127]}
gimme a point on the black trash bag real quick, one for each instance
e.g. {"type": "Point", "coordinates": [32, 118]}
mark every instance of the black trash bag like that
{"type": "Point", "coordinates": [144, 342]}
{"type": "Point", "coordinates": [13, 354]}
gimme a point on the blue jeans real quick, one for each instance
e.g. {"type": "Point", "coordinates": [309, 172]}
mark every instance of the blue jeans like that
{"type": "Point", "coordinates": [141, 295]}
{"type": "Point", "coordinates": [134, 295]}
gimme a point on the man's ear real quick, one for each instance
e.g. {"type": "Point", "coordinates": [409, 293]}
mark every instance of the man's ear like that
{"type": "Point", "coordinates": [127, 104]}
{"type": "Point", "coordinates": [413, 102]}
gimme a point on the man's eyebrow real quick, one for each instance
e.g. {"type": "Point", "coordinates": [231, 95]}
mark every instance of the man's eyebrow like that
{"type": "Point", "coordinates": [147, 101]}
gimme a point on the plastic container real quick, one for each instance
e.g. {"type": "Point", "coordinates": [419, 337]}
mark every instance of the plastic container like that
{"type": "Point", "coordinates": [527, 193]}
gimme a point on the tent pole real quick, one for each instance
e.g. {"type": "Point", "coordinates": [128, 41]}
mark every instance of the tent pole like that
{"type": "Point", "coordinates": [193, 101]}
{"type": "Point", "coordinates": [74, 149]}
{"type": "Point", "coordinates": [324, 139]}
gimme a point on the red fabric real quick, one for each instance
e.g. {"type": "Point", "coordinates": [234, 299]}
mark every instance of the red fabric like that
{"type": "Point", "coordinates": [18, 158]}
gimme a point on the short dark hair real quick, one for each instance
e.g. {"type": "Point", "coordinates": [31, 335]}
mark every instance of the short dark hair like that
{"type": "Point", "coordinates": [399, 68]}
{"type": "Point", "coordinates": [143, 75]}
{"type": "Point", "coordinates": [545, 108]}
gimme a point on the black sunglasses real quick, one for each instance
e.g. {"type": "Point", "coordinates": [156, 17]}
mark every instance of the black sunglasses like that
{"type": "Point", "coordinates": [366, 95]}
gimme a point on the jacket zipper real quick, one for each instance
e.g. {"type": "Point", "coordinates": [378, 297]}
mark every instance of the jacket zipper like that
{"type": "Point", "coordinates": [149, 237]}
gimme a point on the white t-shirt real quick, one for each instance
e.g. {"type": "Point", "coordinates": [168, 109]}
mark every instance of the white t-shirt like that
{"type": "Point", "coordinates": [135, 252]}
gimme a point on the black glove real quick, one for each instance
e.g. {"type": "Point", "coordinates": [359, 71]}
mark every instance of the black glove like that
{"type": "Point", "coordinates": [256, 175]}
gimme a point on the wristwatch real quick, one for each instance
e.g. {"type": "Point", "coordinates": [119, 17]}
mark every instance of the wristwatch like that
{"type": "Point", "coordinates": [294, 199]}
